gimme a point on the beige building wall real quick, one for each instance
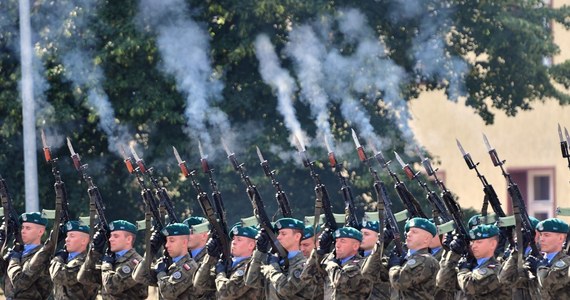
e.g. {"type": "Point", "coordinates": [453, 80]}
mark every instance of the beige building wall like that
{"type": "Point", "coordinates": [527, 142]}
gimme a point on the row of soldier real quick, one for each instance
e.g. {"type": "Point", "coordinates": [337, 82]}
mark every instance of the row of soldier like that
{"type": "Point", "coordinates": [345, 264]}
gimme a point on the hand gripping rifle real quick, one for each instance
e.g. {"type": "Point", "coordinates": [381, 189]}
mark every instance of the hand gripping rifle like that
{"type": "Point", "coordinates": [258, 207]}
{"type": "Point", "coordinates": [11, 224]}
{"type": "Point", "coordinates": [440, 213]}
{"type": "Point", "coordinates": [280, 195]}
{"type": "Point", "coordinates": [564, 143]}
{"type": "Point", "coordinates": [219, 228]}
{"type": "Point", "coordinates": [160, 191]}
{"type": "Point", "coordinates": [411, 204]}
{"type": "Point", "coordinates": [349, 207]}
{"type": "Point", "coordinates": [383, 202]}
{"type": "Point", "coordinates": [96, 205]}
{"type": "Point", "coordinates": [61, 205]}
{"type": "Point", "coordinates": [522, 220]}
{"type": "Point", "coordinates": [322, 200]}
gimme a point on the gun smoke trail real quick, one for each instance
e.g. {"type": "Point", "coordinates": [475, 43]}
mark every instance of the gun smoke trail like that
{"type": "Point", "coordinates": [282, 83]}
{"type": "Point", "coordinates": [184, 48]}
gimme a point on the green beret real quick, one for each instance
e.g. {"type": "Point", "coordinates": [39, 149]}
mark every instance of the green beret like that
{"type": "Point", "coordinates": [371, 225]}
{"type": "Point", "coordinates": [308, 232]}
{"type": "Point", "coordinates": [348, 232]}
{"type": "Point", "coordinates": [289, 223]}
{"type": "Point", "coordinates": [474, 221]}
{"type": "Point", "coordinates": [76, 226]}
{"type": "Point", "coordinates": [533, 222]}
{"type": "Point", "coordinates": [552, 225]}
{"type": "Point", "coordinates": [245, 231]}
{"type": "Point", "coordinates": [33, 217]}
{"type": "Point", "coordinates": [176, 229]}
{"type": "Point", "coordinates": [480, 232]}
{"type": "Point", "coordinates": [421, 223]}
{"type": "Point", "coordinates": [191, 221]}
{"type": "Point", "coordinates": [123, 225]}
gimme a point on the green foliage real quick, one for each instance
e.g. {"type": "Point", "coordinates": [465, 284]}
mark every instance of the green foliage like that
{"type": "Point", "coordinates": [507, 38]}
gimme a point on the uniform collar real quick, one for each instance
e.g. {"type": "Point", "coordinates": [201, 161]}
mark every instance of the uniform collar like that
{"type": "Point", "coordinates": [196, 251]}
{"type": "Point", "coordinates": [72, 255]}
{"type": "Point", "coordinates": [550, 256]}
{"type": "Point", "coordinates": [344, 260]}
{"type": "Point", "coordinates": [121, 253]}
{"type": "Point", "coordinates": [28, 248]}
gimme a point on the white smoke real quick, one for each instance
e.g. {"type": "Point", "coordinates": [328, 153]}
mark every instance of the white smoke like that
{"type": "Point", "coordinates": [184, 47]}
{"type": "Point", "coordinates": [281, 82]}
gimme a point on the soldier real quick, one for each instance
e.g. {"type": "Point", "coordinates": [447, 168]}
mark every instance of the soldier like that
{"type": "Point", "coordinates": [269, 275]}
{"type": "Point", "coordinates": [369, 237]}
{"type": "Point", "coordinates": [66, 263]}
{"type": "Point", "coordinates": [24, 280]}
{"type": "Point", "coordinates": [479, 279]}
{"type": "Point", "coordinates": [435, 246]}
{"type": "Point", "coordinates": [117, 264]}
{"type": "Point", "coordinates": [552, 269]}
{"type": "Point", "coordinates": [197, 242]}
{"type": "Point", "coordinates": [379, 276]}
{"type": "Point", "coordinates": [524, 284]}
{"type": "Point", "coordinates": [308, 240]}
{"type": "Point", "coordinates": [230, 283]}
{"type": "Point", "coordinates": [412, 275]}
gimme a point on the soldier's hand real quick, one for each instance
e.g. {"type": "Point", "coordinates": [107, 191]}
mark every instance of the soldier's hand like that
{"type": "Point", "coordinates": [214, 247]}
{"type": "Point", "coordinates": [388, 236]}
{"type": "Point", "coordinates": [157, 239]}
{"type": "Point", "coordinates": [220, 267]}
{"type": "Point", "coordinates": [2, 234]}
{"type": "Point", "coordinates": [262, 241]}
{"type": "Point", "coordinates": [63, 254]}
{"type": "Point", "coordinates": [160, 267]}
{"type": "Point", "coordinates": [446, 243]}
{"type": "Point", "coordinates": [325, 242]}
{"type": "Point", "coordinates": [99, 240]}
{"type": "Point", "coordinates": [396, 260]}
{"type": "Point", "coordinates": [108, 258]}
{"type": "Point", "coordinates": [459, 246]}
{"type": "Point", "coordinates": [532, 263]}
{"type": "Point", "coordinates": [464, 263]}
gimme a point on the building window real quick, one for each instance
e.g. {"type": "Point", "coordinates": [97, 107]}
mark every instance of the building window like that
{"type": "Point", "coordinates": [540, 191]}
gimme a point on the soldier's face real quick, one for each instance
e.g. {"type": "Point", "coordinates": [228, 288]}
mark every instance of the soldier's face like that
{"type": "Point", "coordinates": [369, 239]}
{"type": "Point", "coordinates": [289, 239]}
{"type": "Point", "coordinates": [417, 239]}
{"type": "Point", "coordinates": [483, 248]}
{"type": "Point", "coordinates": [32, 233]}
{"type": "Point", "coordinates": [242, 246]}
{"type": "Point", "coordinates": [76, 241]}
{"type": "Point", "coordinates": [120, 240]}
{"type": "Point", "coordinates": [177, 245]}
{"type": "Point", "coordinates": [346, 247]}
{"type": "Point", "coordinates": [197, 240]}
{"type": "Point", "coordinates": [307, 245]}
{"type": "Point", "coordinates": [551, 241]}
{"type": "Point", "coordinates": [435, 242]}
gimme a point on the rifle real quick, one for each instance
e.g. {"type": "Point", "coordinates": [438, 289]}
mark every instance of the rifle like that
{"type": "Point", "coordinates": [322, 200]}
{"type": "Point", "coordinates": [349, 208]}
{"type": "Point", "coordinates": [564, 143]}
{"type": "Point", "coordinates": [61, 205]}
{"type": "Point", "coordinates": [383, 202]}
{"type": "Point", "coordinates": [411, 204]}
{"type": "Point", "coordinates": [522, 219]}
{"type": "Point", "coordinates": [160, 191]}
{"type": "Point", "coordinates": [440, 213]}
{"type": "Point", "coordinates": [280, 195]}
{"type": "Point", "coordinates": [216, 194]}
{"type": "Point", "coordinates": [96, 204]}
{"type": "Point", "coordinates": [11, 223]}
{"type": "Point", "coordinates": [258, 206]}
{"type": "Point", "coordinates": [218, 227]}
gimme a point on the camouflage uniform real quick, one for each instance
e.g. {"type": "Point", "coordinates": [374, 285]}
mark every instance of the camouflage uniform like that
{"type": "Point", "coordinates": [523, 283]}
{"type": "Point", "coordinates": [483, 282]}
{"type": "Point", "coordinates": [554, 279]}
{"type": "Point", "coordinates": [275, 283]}
{"type": "Point", "coordinates": [233, 287]}
{"type": "Point", "coordinates": [376, 271]}
{"type": "Point", "coordinates": [117, 280]}
{"type": "Point", "coordinates": [64, 277]}
{"type": "Point", "coordinates": [25, 280]}
{"type": "Point", "coordinates": [90, 272]}
{"type": "Point", "coordinates": [415, 279]}
{"type": "Point", "coordinates": [446, 278]}
{"type": "Point", "coordinates": [206, 282]}
{"type": "Point", "coordinates": [345, 281]}
{"type": "Point", "coordinates": [176, 282]}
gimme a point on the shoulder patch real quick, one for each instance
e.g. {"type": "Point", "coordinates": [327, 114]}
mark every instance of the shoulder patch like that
{"type": "Point", "coordinates": [126, 269]}
{"type": "Point", "coordinates": [482, 271]}
{"type": "Point", "coordinates": [239, 272]}
{"type": "Point", "coordinates": [411, 262]}
{"type": "Point", "coordinates": [297, 273]}
{"type": "Point", "coordinates": [186, 267]}
{"type": "Point", "coordinates": [176, 275]}
{"type": "Point", "coordinates": [560, 264]}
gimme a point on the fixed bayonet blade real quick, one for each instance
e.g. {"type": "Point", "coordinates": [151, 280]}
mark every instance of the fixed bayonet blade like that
{"type": "Point", "coordinates": [228, 152]}
{"type": "Point", "coordinates": [298, 144]}
{"type": "Point", "coordinates": [487, 144]}
{"type": "Point", "coordinates": [463, 152]}
{"type": "Point", "coordinates": [260, 155]}
{"type": "Point", "coordinates": [567, 136]}
{"type": "Point", "coordinates": [44, 140]}
{"type": "Point", "coordinates": [422, 157]}
{"type": "Point", "coordinates": [560, 133]}
{"type": "Point", "coordinates": [202, 155]}
{"type": "Point", "coordinates": [399, 159]}
{"type": "Point", "coordinates": [180, 161]}
{"type": "Point", "coordinates": [70, 147]}
{"type": "Point", "coordinates": [355, 139]}
{"type": "Point", "coordinates": [134, 152]}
